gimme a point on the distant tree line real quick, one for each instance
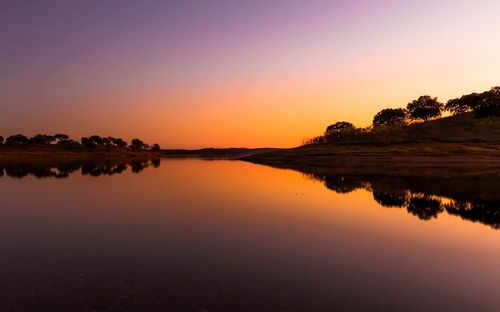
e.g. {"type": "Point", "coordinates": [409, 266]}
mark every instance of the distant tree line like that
{"type": "Point", "coordinates": [63, 140]}
{"type": "Point", "coordinates": [425, 108]}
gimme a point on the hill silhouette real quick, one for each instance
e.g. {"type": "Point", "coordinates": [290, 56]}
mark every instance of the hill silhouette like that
{"type": "Point", "coordinates": [461, 140]}
{"type": "Point", "coordinates": [459, 128]}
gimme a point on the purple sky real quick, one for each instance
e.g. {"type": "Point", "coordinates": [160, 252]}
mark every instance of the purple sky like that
{"type": "Point", "coordinates": [252, 73]}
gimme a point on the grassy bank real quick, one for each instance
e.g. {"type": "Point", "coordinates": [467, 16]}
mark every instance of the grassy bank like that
{"type": "Point", "coordinates": [404, 155]}
{"type": "Point", "coordinates": [458, 141]}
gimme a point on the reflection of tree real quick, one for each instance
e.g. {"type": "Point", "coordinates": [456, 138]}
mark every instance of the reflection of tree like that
{"type": "Point", "coordinates": [424, 206]}
{"type": "Point", "coordinates": [390, 199]}
{"type": "Point", "coordinates": [67, 168]}
{"type": "Point", "coordinates": [119, 169]}
{"type": "Point", "coordinates": [16, 172]}
{"type": "Point", "coordinates": [476, 199]}
{"type": "Point", "coordinates": [156, 162]}
{"type": "Point", "coordinates": [486, 212]}
{"type": "Point", "coordinates": [343, 184]}
{"type": "Point", "coordinates": [138, 166]}
{"type": "Point", "coordinates": [63, 169]}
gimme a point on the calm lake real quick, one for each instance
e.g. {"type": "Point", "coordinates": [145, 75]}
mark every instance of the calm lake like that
{"type": "Point", "coordinates": [195, 235]}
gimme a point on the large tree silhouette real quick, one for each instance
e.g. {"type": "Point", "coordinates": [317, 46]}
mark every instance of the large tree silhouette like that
{"type": "Point", "coordinates": [424, 108]}
{"type": "Point", "coordinates": [390, 117]}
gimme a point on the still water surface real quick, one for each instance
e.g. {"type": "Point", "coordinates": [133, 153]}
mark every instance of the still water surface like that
{"type": "Point", "coordinates": [194, 235]}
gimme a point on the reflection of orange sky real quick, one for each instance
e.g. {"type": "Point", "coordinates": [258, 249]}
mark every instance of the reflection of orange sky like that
{"type": "Point", "coordinates": [223, 194]}
{"type": "Point", "coordinates": [233, 212]}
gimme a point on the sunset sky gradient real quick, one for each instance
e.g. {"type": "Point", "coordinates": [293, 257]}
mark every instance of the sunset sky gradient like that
{"type": "Point", "coordinates": [226, 73]}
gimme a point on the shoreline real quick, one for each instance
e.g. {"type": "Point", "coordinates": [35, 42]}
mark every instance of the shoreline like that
{"type": "Point", "coordinates": [55, 153]}
{"type": "Point", "coordinates": [395, 158]}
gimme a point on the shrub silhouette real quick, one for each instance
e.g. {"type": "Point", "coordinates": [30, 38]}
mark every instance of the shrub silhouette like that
{"type": "Point", "coordinates": [315, 140]}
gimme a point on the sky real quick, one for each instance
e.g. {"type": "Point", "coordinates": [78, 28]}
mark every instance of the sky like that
{"type": "Point", "coordinates": [226, 73]}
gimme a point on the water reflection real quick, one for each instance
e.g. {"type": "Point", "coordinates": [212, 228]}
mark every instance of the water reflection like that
{"type": "Point", "coordinates": [475, 198]}
{"type": "Point", "coordinates": [232, 236]}
{"type": "Point", "coordinates": [61, 169]}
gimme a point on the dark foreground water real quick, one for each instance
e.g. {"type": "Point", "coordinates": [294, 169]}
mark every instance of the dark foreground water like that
{"type": "Point", "coordinates": [193, 235]}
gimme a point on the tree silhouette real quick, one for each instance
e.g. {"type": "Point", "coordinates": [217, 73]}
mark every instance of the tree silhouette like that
{"type": "Point", "coordinates": [17, 139]}
{"type": "Point", "coordinates": [97, 140]}
{"type": "Point", "coordinates": [120, 143]}
{"type": "Point", "coordinates": [106, 141]}
{"type": "Point", "coordinates": [59, 137]}
{"type": "Point", "coordinates": [483, 104]}
{"type": "Point", "coordinates": [137, 144]}
{"type": "Point", "coordinates": [42, 139]}
{"type": "Point", "coordinates": [87, 143]}
{"type": "Point", "coordinates": [1, 140]}
{"type": "Point", "coordinates": [155, 147]}
{"type": "Point", "coordinates": [338, 130]}
{"type": "Point", "coordinates": [339, 126]}
{"type": "Point", "coordinates": [489, 105]}
{"type": "Point", "coordinates": [424, 108]}
{"type": "Point", "coordinates": [390, 117]}
{"type": "Point", "coordinates": [464, 104]}
{"type": "Point", "coordinates": [69, 144]}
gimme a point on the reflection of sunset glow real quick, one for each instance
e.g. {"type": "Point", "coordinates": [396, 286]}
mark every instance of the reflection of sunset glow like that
{"type": "Point", "coordinates": [249, 224]}
{"type": "Point", "coordinates": [235, 74]}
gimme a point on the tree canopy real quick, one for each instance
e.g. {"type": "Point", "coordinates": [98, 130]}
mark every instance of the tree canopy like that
{"type": "Point", "coordinates": [339, 126]}
{"type": "Point", "coordinates": [482, 104]}
{"type": "Point", "coordinates": [137, 144]}
{"type": "Point", "coordinates": [424, 108]}
{"type": "Point", "coordinates": [390, 117]}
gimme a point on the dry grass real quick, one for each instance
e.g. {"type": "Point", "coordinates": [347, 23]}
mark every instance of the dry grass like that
{"type": "Point", "coordinates": [479, 155]}
{"type": "Point", "coordinates": [457, 141]}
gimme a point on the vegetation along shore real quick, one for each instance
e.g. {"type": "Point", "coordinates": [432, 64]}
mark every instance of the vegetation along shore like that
{"type": "Point", "coordinates": [415, 136]}
{"type": "Point", "coordinates": [59, 146]}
